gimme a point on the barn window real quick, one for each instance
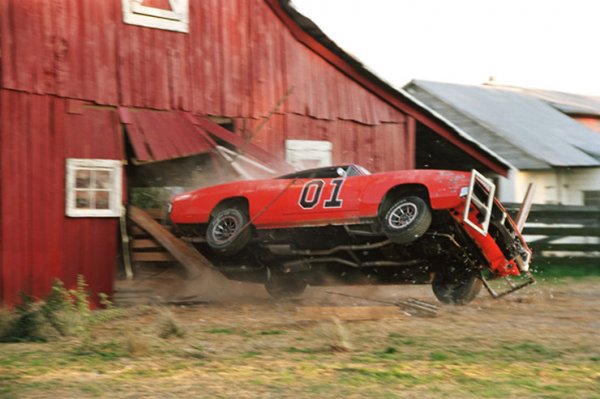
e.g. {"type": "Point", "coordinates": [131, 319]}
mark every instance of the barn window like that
{"type": "Point", "coordinates": [160, 14]}
{"type": "Point", "coordinates": [306, 154]}
{"type": "Point", "coordinates": [93, 188]}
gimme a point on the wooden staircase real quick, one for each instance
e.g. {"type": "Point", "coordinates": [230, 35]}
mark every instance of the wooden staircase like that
{"type": "Point", "coordinates": [155, 243]}
{"type": "Point", "coordinates": [143, 247]}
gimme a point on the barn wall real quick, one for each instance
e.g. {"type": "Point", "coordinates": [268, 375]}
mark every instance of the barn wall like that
{"type": "Point", "coordinates": [237, 61]}
{"type": "Point", "coordinates": [388, 146]}
{"type": "Point", "coordinates": [39, 243]}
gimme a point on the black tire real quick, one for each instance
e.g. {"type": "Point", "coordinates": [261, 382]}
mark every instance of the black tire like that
{"type": "Point", "coordinates": [406, 219]}
{"type": "Point", "coordinates": [281, 287]}
{"type": "Point", "coordinates": [226, 234]}
{"type": "Point", "coordinates": [456, 290]}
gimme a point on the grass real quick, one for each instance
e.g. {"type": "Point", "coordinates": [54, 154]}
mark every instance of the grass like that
{"type": "Point", "coordinates": [563, 272]}
{"type": "Point", "coordinates": [476, 352]}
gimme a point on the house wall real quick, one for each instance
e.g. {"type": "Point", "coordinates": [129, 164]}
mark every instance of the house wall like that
{"type": "Point", "coordinates": [562, 186]}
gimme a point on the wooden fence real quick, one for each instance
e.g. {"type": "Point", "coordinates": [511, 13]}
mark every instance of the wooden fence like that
{"type": "Point", "coordinates": [562, 233]}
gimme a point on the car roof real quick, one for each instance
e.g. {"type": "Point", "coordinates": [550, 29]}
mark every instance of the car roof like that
{"type": "Point", "coordinates": [323, 172]}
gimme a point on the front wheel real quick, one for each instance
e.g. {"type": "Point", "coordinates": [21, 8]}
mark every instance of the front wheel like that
{"type": "Point", "coordinates": [227, 232]}
{"type": "Point", "coordinates": [456, 290]}
{"type": "Point", "coordinates": [406, 220]}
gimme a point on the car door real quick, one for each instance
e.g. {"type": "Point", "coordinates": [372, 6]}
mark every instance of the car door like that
{"type": "Point", "coordinates": [311, 201]}
{"type": "Point", "coordinates": [322, 200]}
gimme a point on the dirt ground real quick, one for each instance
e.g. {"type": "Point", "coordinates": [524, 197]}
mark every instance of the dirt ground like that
{"type": "Point", "coordinates": [539, 342]}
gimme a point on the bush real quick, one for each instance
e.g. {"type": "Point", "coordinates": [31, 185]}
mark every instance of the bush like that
{"type": "Point", "coordinates": [66, 312]}
{"type": "Point", "coordinates": [26, 323]}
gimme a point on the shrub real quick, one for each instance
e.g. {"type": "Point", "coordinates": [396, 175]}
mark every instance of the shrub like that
{"type": "Point", "coordinates": [26, 323]}
{"type": "Point", "coordinates": [66, 312]}
{"type": "Point", "coordinates": [168, 326]}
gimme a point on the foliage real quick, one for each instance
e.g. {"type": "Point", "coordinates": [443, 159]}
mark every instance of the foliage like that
{"type": "Point", "coordinates": [168, 326]}
{"type": "Point", "coordinates": [65, 312]}
{"type": "Point", "coordinates": [150, 197]}
{"type": "Point", "coordinates": [26, 324]}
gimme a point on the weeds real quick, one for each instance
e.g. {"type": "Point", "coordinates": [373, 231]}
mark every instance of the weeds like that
{"type": "Point", "coordinates": [26, 324]}
{"type": "Point", "coordinates": [63, 312]}
{"type": "Point", "coordinates": [168, 326]}
{"type": "Point", "coordinates": [136, 346]}
{"type": "Point", "coordinates": [336, 336]}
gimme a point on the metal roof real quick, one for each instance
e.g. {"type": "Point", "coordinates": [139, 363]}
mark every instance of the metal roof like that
{"type": "Point", "coordinates": [569, 103]}
{"type": "Point", "coordinates": [161, 135]}
{"type": "Point", "coordinates": [525, 130]}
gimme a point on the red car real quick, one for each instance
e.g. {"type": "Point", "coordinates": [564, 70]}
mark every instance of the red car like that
{"type": "Point", "coordinates": [343, 225]}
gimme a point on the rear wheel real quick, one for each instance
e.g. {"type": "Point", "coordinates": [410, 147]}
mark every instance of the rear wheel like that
{"type": "Point", "coordinates": [406, 219]}
{"type": "Point", "coordinates": [457, 289]}
{"type": "Point", "coordinates": [227, 233]}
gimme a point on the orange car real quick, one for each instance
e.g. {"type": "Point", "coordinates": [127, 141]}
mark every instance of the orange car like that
{"type": "Point", "coordinates": [344, 225]}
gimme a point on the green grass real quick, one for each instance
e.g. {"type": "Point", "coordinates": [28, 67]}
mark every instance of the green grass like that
{"type": "Point", "coordinates": [466, 352]}
{"type": "Point", "coordinates": [561, 271]}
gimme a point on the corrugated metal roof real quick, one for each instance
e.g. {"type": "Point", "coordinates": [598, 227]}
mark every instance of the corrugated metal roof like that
{"type": "Point", "coordinates": [525, 130]}
{"type": "Point", "coordinates": [569, 103]}
{"type": "Point", "coordinates": [162, 135]}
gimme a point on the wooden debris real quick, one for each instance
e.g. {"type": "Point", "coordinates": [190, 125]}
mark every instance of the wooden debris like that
{"type": "Point", "coordinates": [410, 306]}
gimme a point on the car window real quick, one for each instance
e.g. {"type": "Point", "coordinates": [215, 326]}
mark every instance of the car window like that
{"type": "Point", "coordinates": [330, 172]}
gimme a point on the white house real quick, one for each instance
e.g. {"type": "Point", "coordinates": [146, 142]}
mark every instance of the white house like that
{"type": "Point", "coordinates": [541, 143]}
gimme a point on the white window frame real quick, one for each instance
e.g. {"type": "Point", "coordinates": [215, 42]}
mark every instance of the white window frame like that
{"type": "Point", "coordinates": [135, 13]}
{"type": "Point", "coordinates": [114, 167]}
{"type": "Point", "coordinates": [297, 151]}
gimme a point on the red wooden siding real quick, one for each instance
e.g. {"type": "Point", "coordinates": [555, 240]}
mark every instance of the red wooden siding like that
{"type": "Point", "coordinates": [39, 243]}
{"type": "Point", "coordinates": [237, 60]}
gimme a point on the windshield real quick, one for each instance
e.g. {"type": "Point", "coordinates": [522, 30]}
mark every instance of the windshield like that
{"type": "Point", "coordinates": [329, 172]}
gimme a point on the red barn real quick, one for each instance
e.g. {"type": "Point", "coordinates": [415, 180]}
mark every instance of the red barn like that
{"type": "Point", "coordinates": [94, 91]}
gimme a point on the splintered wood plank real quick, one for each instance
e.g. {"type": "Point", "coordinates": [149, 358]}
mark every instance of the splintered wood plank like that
{"type": "Point", "coordinates": [152, 257]}
{"type": "Point", "coordinates": [156, 213]}
{"type": "Point", "coordinates": [347, 312]}
{"type": "Point", "coordinates": [144, 243]}
{"type": "Point", "coordinates": [195, 264]}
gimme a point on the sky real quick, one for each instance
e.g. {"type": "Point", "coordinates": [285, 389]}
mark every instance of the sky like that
{"type": "Point", "coordinates": [545, 44]}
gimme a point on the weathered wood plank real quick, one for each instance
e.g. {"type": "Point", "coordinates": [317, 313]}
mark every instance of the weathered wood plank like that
{"type": "Point", "coordinates": [152, 257]}
{"type": "Point", "coordinates": [195, 264]}
{"type": "Point", "coordinates": [565, 247]}
{"type": "Point", "coordinates": [145, 243]}
{"type": "Point", "coordinates": [562, 231]}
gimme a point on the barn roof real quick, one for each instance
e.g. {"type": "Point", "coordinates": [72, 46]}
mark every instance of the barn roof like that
{"type": "Point", "coordinates": [403, 100]}
{"type": "Point", "coordinates": [523, 129]}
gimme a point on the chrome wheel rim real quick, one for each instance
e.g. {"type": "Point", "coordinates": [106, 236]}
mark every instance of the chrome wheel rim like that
{"type": "Point", "coordinates": [402, 215]}
{"type": "Point", "coordinates": [225, 229]}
